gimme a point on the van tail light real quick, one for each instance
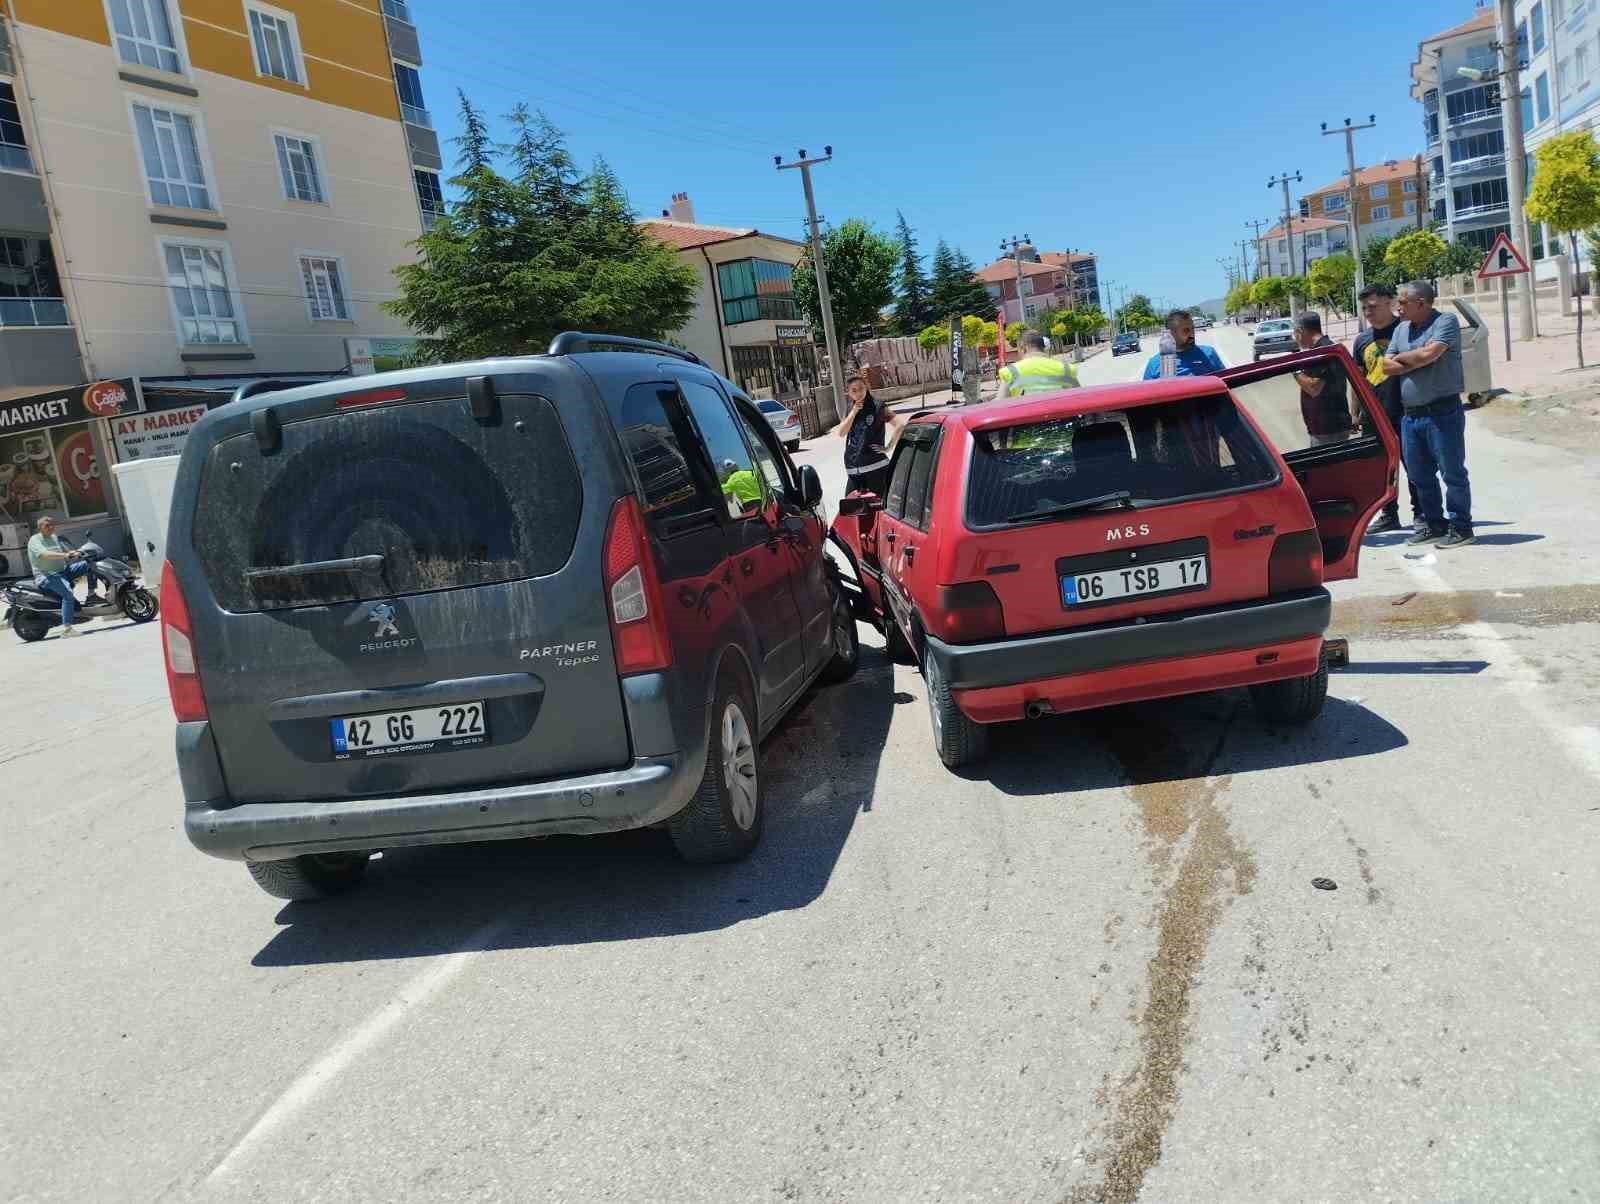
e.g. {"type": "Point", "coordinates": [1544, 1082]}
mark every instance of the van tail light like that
{"type": "Point", "coordinates": [633, 590]}
{"type": "Point", "coordinates": [1296, 563]}
{"type": "Point", "coordinates": [970, 611]}
{"type": "Point", "coordinates": [177, 645]}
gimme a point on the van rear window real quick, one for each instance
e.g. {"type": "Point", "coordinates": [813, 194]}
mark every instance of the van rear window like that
{"type": "Point", "coordinates": [388, 501]}
{"type": "Point", "coordinates": [1154, 453]}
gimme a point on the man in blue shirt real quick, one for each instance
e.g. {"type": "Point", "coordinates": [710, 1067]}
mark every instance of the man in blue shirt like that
{"type": "Point", "coordinates": [1193, 360]}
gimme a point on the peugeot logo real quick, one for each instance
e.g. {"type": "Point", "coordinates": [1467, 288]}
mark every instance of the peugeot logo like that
{"type": "Point", "coordinates": [382, 613]}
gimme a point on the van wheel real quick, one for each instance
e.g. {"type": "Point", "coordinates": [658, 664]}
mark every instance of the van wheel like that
{"type": "Point", "coordinates": [959, 740]}
{"type": "Point", "coordinates": [723, 820]}
{"type": "Point", "coordinates": [1295, 701]}
{"type": "Point", "coordinates": [895, 645]}
{"type": "Point", "coordinates": [313, 876]}
{"type": "Point", "coordinates": [846, 642]}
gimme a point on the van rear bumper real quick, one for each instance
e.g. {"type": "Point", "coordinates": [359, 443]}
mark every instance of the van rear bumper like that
{"type": "Point", "coordinates": [648, 791]}
{"type": "Point", "coordinates": [1113, 645]}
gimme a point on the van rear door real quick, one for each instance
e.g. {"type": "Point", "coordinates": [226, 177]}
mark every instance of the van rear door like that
{"type": "Point", "coordinates": [393, 593]}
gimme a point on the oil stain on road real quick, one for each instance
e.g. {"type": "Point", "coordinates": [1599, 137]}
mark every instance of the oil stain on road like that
{"type": "Point", "coordinates": [1418, 615]}
{"type": "Point", "coordinates": [1177, 799]}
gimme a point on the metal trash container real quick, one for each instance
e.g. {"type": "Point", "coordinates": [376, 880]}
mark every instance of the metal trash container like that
{"type": "Point", "coordinates": [1475, 372]}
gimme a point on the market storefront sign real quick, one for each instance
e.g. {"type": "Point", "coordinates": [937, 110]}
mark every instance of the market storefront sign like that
{"type": "Point", "coordinates": [102, 399]}
{"type": "Point", "coordinates": [162, 433]}
{"type": "Point", "coordinates": [792, 336]}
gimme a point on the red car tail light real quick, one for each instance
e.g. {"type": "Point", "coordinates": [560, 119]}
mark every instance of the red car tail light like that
{"type": "Point", "coordinates": [177, 646]}
{"type": "Point", "coordinates": [372, 397]}
{"type": "Point", "coordinates": [1296, 563]}
{"type": "Point", "coordinates": [970, 611]}
{"type": "Point", "coordinates": [633, 592]}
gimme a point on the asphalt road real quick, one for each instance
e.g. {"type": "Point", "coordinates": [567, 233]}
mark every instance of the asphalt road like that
{"type": "Point", "coordinates": [1097, 970]}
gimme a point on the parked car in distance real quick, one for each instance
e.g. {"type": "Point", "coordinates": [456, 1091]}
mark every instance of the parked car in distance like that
{"type": "Point", "coordinates": [1202, 321]}
{"type": "Point", "coordinates": [1275, 336]}
{"type": "Point", "coordinates": [1118, 543]}
{"type": "Point", "coordinates": [785, 422]}
{"type": "Point", "coordinates": [567, 593]}
{"type": "Point", "coordinates": [1127, 341]}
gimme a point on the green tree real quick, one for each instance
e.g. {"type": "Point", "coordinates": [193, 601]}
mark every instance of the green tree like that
{"type": "Point", "coordinates": [521, 257]}
{"type": "Point", "coordinates": [1461, 258]}
{"type": "Point", "coordinates": [1238, 298]}
{"type": "Point", "coordinates": [1014, 331]}
{"type": "Point", "coordinates": [1332, 281]}
{"type": "Point", "coordinates": [913, 306]}
{"type": "Point", "coordinates": [972, 331]}
{"type": "Point", "coordinates": [1375, 269]}
{"type": "Point", "coordinates": [1566, 193]}
{"type": "Point", "coordinates": [955, 287]}
{"type": "Point", "coordinates": [933, 336]}
{"type": "Point", "coordinates": [1270, 293]}
{"type": "Point", "coordinates": [1416, 254]}
{"type": "Point", "coordinates": [861, 263]}
{"type": "Point", "coordinates": [1137, 313]}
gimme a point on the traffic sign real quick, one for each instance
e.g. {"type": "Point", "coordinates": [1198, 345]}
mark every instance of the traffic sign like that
{"type": "Point", "coordinates": [1503, 259]}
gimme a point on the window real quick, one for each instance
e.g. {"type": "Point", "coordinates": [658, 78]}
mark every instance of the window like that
{"type": "Point", "coordinates": [1027, 286]}
{"type": "Point", "coordinates": [654, 432]}
{"type": "Point", "coordinates": [1536, 19]}
{"type": "Point", "coordinates": [324, 289]}
{"type": "Point", "coordinates": [771, 474]}
{"type": "Point", "coordinates": [894, 505]}
{"type": "Point", "coordinates": [412, 107]}
{"type": "Point", "coordinates": [1380, 213]}
{"type": "Point", "coordinates": [1430, 124]}
{"type": "Point", "coordinates": [1305, 207]}
{"type": "Point", "coordinates": [14, 154]}
{"type": "Point", "coordinates": [1558, 11]}
{"type": "Point", "coordinates": [1541, 88]}
{"type": "Point", "coordinates": [1477, 146]}
{"type": "Point", "coordinates": [1283, 244]}
{"type": "Point", "coordinates": [1029, 310]}
{"type": "Point", "coordinates": [1409, 186]}
{"type": "Point", "coordinates": [923, 453]}
{"type": "Point", "coordinates": [1522, 43]}
{"type": "Point", "coordinates": [171, 153]}
{"type": "Point", "coordinates": [398, 10]}
{"type": "Point", "coordinates": [275, 45]}
{"type": "Point", "coordinates": [1471, 104]}
{"type": "Point", "coordinates": [1411, 209]}
{"type": "Point", "coordinates": [1378, 192]}
{"type": "Point", "coordinates": [297, 165]}
{"type": "Point", "coordinates": [1485, 196]}
{"type": "Point", "coordinates": [1580, 67]}
{"type": "Point", "coordinates": [1295, 420]}
{"type": "Point", "coordinates": [1314, 239]}
{"type": "Point", "coordinates": [202, 294]}
{"type": "Point", "coordinates": [1564, 78]}
{"type": "Point", "coordinates": [1527, 109]}
{"type": "Point", "coordinates": [730, 458]}
{"type": "Point", "coordinates": [30, 289]}
{"type": "Point", "coordinates": [143, 32]}
{"type": "Point", "coordinates": [1334, 202]}
{"type": "Point", "coordinates": [756, 289]}
{"type": "Point", "coordinates": [1159, 453]}
{"type": "Point", "coordinates": [430, 196]}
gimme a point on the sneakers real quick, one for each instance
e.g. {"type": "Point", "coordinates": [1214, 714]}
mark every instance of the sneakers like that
{"type": "Point", "coordinates": [1426, 535]}
{"type": "Point", "coordinates": [69, 632]}
{"type": "Point", "coordinates": [1384, 524]}
{"type": "Point", "coordinates": [1458, 539]}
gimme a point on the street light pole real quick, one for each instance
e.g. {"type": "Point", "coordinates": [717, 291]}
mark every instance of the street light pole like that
{"type": "Point", "coordinates": [1288, 229]}
{"type": "Point", "coordinates": [1017, 260]}
{"type": "Point", "coordinates": [1352, 202]}
{"type": "Point", "coordinates": [1516, 161]}
{"type": "Point", "coordinates": [835, 365]}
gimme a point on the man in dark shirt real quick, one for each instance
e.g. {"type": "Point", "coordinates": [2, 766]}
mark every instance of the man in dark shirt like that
{"type": "Point", "coordinates": [1324, 398]}
{"type": "Point", "coordinates": [1371, 345]}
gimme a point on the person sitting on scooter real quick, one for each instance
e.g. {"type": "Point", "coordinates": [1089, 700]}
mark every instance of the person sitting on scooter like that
{"type": "Point", "coordinates": [56, 566]}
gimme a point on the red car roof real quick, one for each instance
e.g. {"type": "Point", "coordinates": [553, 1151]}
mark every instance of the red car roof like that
{"type": "Point", "coordinates": [1090, 400]}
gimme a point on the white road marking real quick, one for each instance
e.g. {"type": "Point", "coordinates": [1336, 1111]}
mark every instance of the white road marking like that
{"type": "Point", "coordinates": [1523, 681]}
{"type": "Point", "coordinates": [347, 1049]}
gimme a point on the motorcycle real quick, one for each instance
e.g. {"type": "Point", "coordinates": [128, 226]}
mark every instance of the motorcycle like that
{"type": "Point", "coordinates": [31, 612]}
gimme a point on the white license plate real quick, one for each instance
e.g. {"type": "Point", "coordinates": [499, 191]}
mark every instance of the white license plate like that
{"type": "Point", "coordinates": [430, 729]}
{"type": "Point", "coordinates": [1163, 577]}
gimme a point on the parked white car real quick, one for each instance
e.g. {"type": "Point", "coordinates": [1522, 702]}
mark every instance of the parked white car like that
{"type": "Point", "coordinates": [785, 423]}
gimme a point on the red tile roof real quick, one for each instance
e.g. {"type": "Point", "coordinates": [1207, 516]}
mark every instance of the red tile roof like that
{"type": "Point", "coordinates": [685, 236]}
{"type": "Point", "coordinates": [1302, 224]}
{"type": "Point", "coordinates": [1381, 173]}
{"type": "Point", "coordinates": [1484, 20]}
{"type": "Point", "coordinates": [1006, 269]}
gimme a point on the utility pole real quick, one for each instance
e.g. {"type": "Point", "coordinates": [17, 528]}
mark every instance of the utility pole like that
{"type": "Point", "coordinates": [1516, 160]}
{"type": "Point", "coordinates": [1353, 201]}
{"type": "Point", "coordinates": [1244, 259]}
{"type": "Point", "coordinates": [1286, 179]}
{"type": "Point", "coordinates": [1017, 260]}
{"type": "Point", "coordinates": [1422, 197]}
{"type": "Point", "coordinates": [835, 364]}
{"type": "Point", "coordinates": [1261, 259]}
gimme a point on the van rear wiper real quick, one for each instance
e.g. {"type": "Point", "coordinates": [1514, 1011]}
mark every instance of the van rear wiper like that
{"type": "Point", "coordinates": [352, 564]}
{"type": "Point", "coordinates": [1121, 499]}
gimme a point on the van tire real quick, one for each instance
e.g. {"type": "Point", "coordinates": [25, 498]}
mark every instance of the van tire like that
{"type": "Point", "coordinates": [1294, 702]}
{"type": "Point", "coordinates": [895, 645]}
{"type": "Point", "coordinates": [314, 876]}
{"type": "Point", "coordinates": [842, 665]}
{"type": "Point", "coordinates": [710, 829]}
{"type": "Point", "coordinates": [959, 740]}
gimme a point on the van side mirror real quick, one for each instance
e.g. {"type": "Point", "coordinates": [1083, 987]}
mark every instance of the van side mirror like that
{"type": "Point", "coordinates": [859, 504]}
{"type": "Point", "coordinates": [810, 487]}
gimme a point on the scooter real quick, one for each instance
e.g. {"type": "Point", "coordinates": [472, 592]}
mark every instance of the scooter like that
{"type": "Point", "coordinates": [31, 612]}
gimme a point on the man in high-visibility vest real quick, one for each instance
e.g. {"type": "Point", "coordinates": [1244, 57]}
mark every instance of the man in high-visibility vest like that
{"type": "Point", "coordinates": [1035, 372]}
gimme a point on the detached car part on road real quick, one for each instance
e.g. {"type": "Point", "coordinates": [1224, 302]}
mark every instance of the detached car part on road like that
{"type": "Point", "coordinates": [558, 594]}
{"type": "Point", "coordinates": [1120, 543]}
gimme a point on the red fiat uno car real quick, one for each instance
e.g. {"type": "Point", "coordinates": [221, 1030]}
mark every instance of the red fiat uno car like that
{"type": "Point", "coordinates": [1125, 542]}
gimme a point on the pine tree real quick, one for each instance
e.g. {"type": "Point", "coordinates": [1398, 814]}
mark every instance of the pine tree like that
{"type": "Point", "coordinates": [913, 308]}
{"type": "Point", "coordinates": [954, 287]}
{"type": "Point", "coordinates": [941, 287]}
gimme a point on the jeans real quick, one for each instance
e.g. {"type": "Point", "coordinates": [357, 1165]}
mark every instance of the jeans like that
{"type": "Point", "coordinates": [1396, 413]}
{"type": "Point", "coordinates": [59, 584]}
{"type": "Point", "coordinates": [1436, 446]}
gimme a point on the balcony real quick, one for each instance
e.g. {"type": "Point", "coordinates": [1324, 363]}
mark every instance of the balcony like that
{"type": "Point", "coordinates": [415, 116]}
{"type": "Point", "coordinates": [1473, 115]}
{"type": "Point", "coordinates": [1467, 167]}
{"type": "Point", "coordinates": [1478, 212]}
{"type": "Point", "coordinates": [756, 309]}
{"type": "Point", "coordinates": [32, 311]}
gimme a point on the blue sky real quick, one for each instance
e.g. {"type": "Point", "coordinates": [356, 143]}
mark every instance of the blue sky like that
{"type": "Point", "coordinates": [1145, 133]}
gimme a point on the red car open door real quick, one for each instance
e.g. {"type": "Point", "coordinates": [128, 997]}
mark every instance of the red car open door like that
{"type": "Point", "coordinates": [1317, 409]}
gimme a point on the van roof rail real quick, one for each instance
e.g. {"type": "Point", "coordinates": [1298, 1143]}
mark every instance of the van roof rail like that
{"type": "Point", "coordinates": [571, 342]}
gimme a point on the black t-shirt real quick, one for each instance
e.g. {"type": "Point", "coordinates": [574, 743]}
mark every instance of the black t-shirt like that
{"type": "Point", "coordinates": [1328, 411]}
{"type": "Point", "coordinates": [863, 444]}
{"type": "Point", "coordinates": [1371, 345]}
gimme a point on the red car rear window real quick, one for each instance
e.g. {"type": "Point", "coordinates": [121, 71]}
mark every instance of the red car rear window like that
{"type": "Point", "coordinates": [1157, 453]}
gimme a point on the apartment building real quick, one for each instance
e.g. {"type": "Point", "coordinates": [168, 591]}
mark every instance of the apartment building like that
{"type": "Point", "coordinates": [1053, 280]}
{"type": "Point", "coordinates": [1462, 122]}
{"type": "Point", "coordinates": [1391, 197]}
{"type": "Point", "coordinates": [192, 189]}
{"type": "Point", "coordinates": [1282, 252]}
